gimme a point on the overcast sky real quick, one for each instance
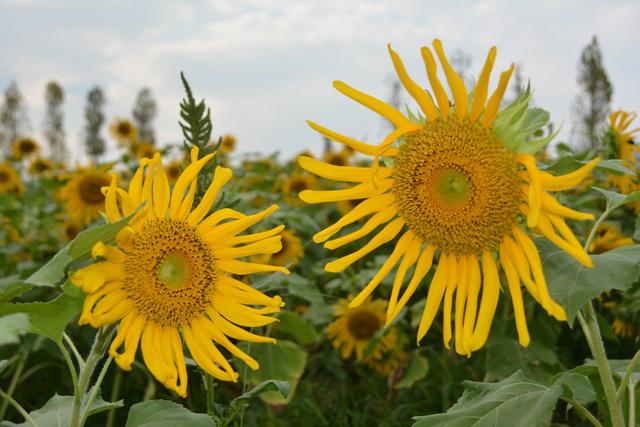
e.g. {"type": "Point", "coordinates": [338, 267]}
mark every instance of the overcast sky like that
{"type": "Point", "coordinates": [267, 65]}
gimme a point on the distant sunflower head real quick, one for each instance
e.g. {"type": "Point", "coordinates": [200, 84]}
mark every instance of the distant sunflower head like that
{"type": "Point", "coordinates": [337, 158]}
{"type": "Point", "coordinates": [24, 147]}
{"type": "Point", "coordinates": [40, 166]}
{"type": "Point", "coordinates": [608, 237]}
{"type": "Point", "coordinates": [228, 143]}
{"type": "Point", "coordinates": [624, 328]}
{"type": "Point", "coordinates": [9, 180]}
{"type": "Point", "coordinates": [295, 184]}
{"type": "Point", "coordinates": [82, 195]}
{"type": "Point", "coordinates": [628, 150]}
{"type": "Point", "coordinates": [173, 170]}
{"type": "Point", "coordinates": [460, 179]}
{"type": "Point", "coordinates": [289, 255]}
{"type": "Point", "coordinates": [71, 229]}
{"type": "Point", "coordinates": [145, 150]}
{"type": "Point", "coordinates": [354, 327]}
{"type": "Point", "coordinates": [168, 278]}
{"type": "Point", "coordinates": [123, 131]}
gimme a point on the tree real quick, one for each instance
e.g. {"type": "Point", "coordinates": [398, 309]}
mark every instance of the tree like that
{"type": "Point", "coordinates": [94, 143]}
{"type": "Point", "coordinates": [144, 111]}
{"type": "Point", "coordinates": [592, 104]}
{"type": "Point", "coordinates": [53, 122]}
{"type": "Point", "coordinates": [13, 117]}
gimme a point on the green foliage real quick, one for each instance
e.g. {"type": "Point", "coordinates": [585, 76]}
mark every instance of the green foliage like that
{"type": "Point", "coordinates": [568, 164]}
{"type": "Point", "coordinates": [417, 369]}
{"type": "Point", "coordinates": [12, 327]}
{"type": "Point", "coordinates": [162, 413]}
{"type": "Point", "coordinates": [196, 119]}
{"type": "Point", "coordinates": [296, 327]}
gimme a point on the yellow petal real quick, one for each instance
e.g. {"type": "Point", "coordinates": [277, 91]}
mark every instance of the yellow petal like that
{"type": "Point", "coordinates": [493, 106]}
{"type": "Point", "coordinates": [456, 83]}
{"type": "Point", "coordinates": [436, 85]}
{"type": "Point", "coordinates": [410, 257]}
{"type": "Point", "coordinates": [461, 298]}
{"type": "Point", "coordinates": [341, 173]}
{"type": "Point", "coordinates": [360, 147]}
{"type": "Point", "coordinates": [381, 217]}
{"type": "Point", "coordinates": [434, 296]}
{"type": "Point", "coordinates": [452, 283]}
{"type": "Point", "coordinates": [239, 267]}
{"type": "Point", "coordinates": [489, 302]}
{"type": "Point", "coordinates": [360, 191]}
{"type": "Point", "coordinates": [516, 297]}
{"type": "Point", "coordinates": [220, 178]}
{"type": "Point", "coordinates": [568, 181]}
{"type": "Point", "coordinates": [161, 192]}
{"type": "Point", "coordinates": [422, 267]}
{"type": "Point", "coordinates": [482, 87]}
{"type": "Point", "coordinates": [374, 104]}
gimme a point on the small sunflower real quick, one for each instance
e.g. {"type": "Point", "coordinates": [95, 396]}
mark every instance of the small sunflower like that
{"type": "Point", "coordinates": [623, 328]}
{"type": "Point", "coordinates": [82, 195]}
{"type": "Point", "coordinates": [9, 180]}
{"type": "Point", "coordinates": [337, 158]}
{"type": "Point", "coordinates": [609, 237]}
{"type": "Point", "coordinates": [168, 277]}
{"type": "Point", "coordinates": [462, 181]}
{"type": "Point", "coordinates": [40, 166]}
{"type": "Point", "coordinates": [144, 150]}
{"type": "Point", "coordinates": [173, 170]}
{"type": "Point", "coordinates": [628, 151]}
{"type": "Point", "coordinates": [24, 147]}
{"type": "Point", "coordinates": [123, 131]}
{"type": "Point", "coordinates": [228, 144]}
{"type": "Point", "coordinates": [289, 255]}
{"type": "Point", "coordinates": [355, 327]}
{"type": "Point", "coordinates": [295, 184]}
{"type": "Point", "coordinates": [71, 229]}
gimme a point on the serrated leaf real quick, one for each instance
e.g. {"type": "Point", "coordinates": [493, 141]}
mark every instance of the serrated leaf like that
{"type": "Point", "coordinates": [281, 387]}
{"type": "Point", "coordinates": [163, 413]}
{"type": "Point", "coordinates": [615, 200]}
{"type": "Point", "coordinates": [47, 318]}
{"type": "Point", "coordinates": [57, 412]}
{"type": "Point", "coordinates": [418, 369]}
{"type": "Point", "coordinates": [514, 401]}
{"type": "Point", "coordinates": [283, 361]}
{"type": "Point", "coordinates": [572, 285]}
{"type": "Point", "coordinates": [296, 327]}
{"type": "Point", "coordinates": [575, 386]}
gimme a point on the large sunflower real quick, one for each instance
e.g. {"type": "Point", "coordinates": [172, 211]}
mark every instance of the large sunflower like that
{"type": "Point", "coordinates": [462, 182]}
{"type": "Point", "coordinates": [168, 277]}
{"type": "Point", "coordinates": [82, 195]}
{"type": "Point", "coordinates": [9, 180]}
{"type": "Point", "coordinates": [24, 147]}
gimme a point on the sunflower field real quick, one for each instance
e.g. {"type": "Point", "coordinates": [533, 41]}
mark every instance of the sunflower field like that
{"type": "Point", "coordinates": [452, 273]}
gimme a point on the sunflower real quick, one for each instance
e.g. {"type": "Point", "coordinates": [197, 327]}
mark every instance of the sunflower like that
{"type": "Point", "coordinates": [144, 150]}
{"type": "Point", "coordinates": [173, 170]}
{"type": "Point", "coordinates": [9, 180]}
{"type": "Point", "coordinates": [24, 147]}
{"type": "Point", "coordinates": [290, 253]}
{"type": "Point", "coordinates": [123, 131]}
{"type": "Point", "coordinates": [609, 237]}
{"type": "Point", "coordinates": [354, 328]}
{"type": "Point", "coordinates": [295, 184]}
{"type": "Point", "coordinates": [40, 166]}
{"type": "Point", "coordinates": [228, 144]}
{"type": "Point", "coordinates": [168, 277]}
{"type": "Point", "coordinates": [462, 182]}
{"type": "Point", "coordinates": [623, 328]}
{"type": "Point", "coordinates": [71, 229]}
{"type": "Point", "coordinates": [82, 195]}
{"type": "Point", "coordinates": [337, 158]}
{"type": "Point", "coordinates": [627, 150]}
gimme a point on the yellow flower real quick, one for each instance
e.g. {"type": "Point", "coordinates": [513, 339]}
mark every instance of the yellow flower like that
{"type": "Point", "coordinates": [82, 196]}
{"type": "Point", "coordinates": [290, 253]}
{"type": "Point", "coordinates": [24, 147]}
{"type": "Point", "coordinates": [623, 329]}
{"type": "Point", "coordinates": [336, 158]}
{"type": "Point", "coordinates": [9, 180]}
{"type": "Point", "coordinates": [609, 237]}
{"type": "Point", "coordinates": [628, 151]}
{"type": "Point", "coordinates": [143, 150]}
{"type": "Point", "coordinates": [353, 329]}
{"type": "Point", "coordinates": [173, 170]}
{"type": "Point", "coordinates": [452, 186]}
{"type": "Point", "coordinates": [123, 131]}
{"type": "Point", "coordinates": [40, 166]}
{"type": "Point", "coordinates": [71, 229]}
{"type": "Point", "coordinates": [228, 143]}
{"type": "Point", "coordinates": [168, 277]}
{"type": "Point", "coordinates": [295, 184]}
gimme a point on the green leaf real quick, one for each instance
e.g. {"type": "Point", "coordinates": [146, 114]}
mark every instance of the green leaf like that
{"type": "Point", "coordinates": [575, 386]}
{"type": "Point", "coordinates": [281, 387]}
{"type": "Point", "coordinates": [12, 327]}
{"type": "Point", "coordinates": [572, 285]}
{"type": "Point", "coordinates": [417, 370]}
{"type": "Point", "coordinates": [505, 355]}
{"type": "Point", "coordinates": [53, 273]}
{"type": "Point", "coordinates": [47, 318]}
{"type": "Point", "coordinates": [295, 326]}
{"type": "Point", "coordinates": [283, 361]}
{"type": "Point", "coordinates": [568, 164]}
{"type": "Point", "coordinates": [636, 233]}
{"type": "Point", "coordinates": [516, 400]}
{"type": "Point", "coordinates": [615, 200]}
{"type": "Point", "coordinates": [11, 287]}
{"type": "Point", "coordinates": [57, 412]}
{"type": "Point", "coordinates": [163, 413]}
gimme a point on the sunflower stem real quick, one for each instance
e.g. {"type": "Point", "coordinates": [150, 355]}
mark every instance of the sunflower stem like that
{"type": "Point", "coordinates": [625, 380]}
{"type": "Point", "coordinates": [22, 359]}
{"type": "Point", "coordinates": [95, 389]}
{"type": "Point", "coordinates": [115, 392]}
{"type": "Point", "coordinates": [100, 343]}
{"type": "Point", "coordinates": [594, 339]}
{"type": "Point", "coordinates": [210, 385]}
{"type": "Point", "coordinates": [19, 408]}
{"type": "Point", "coordinates": [580, 409]}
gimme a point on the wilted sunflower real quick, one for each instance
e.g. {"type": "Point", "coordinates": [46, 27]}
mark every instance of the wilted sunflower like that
{"type": "Point", "coordinates": [290, 253]}
{"type": "Point", "coordinates": [123, 131]}
{"type": "Point", "coordinates": [168, 277]}
{"type": "Point", "coordinates": [82, 195]}
{"type": "Point", "coordinates": [9, 180]}
{"type": "Point", "coordinates": [609, 237]}
{"type": "Point", "coordinates": [24, 147]}
{"type": "Point", "coordinates": [355, 327]}
{"type": "Point", "coordinates": [463, 182]}
{"type": "Point", "coordinates": [228, 144]}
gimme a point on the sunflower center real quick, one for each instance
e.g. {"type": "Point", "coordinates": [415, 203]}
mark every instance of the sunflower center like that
{"type": "Point", "coordinates": [90, 189]}
{"type": "Point", "coordinates": [298, 185]}
{"type": "Point", "coordinates": [27, 147]}
{"type": "Point", "coordinates": [456, 186]}
{"type": "Point", "coordinates": [124, 129]}
{"type": "Point", "coordinates": [4, 177]}
{"type": "Point", "coordinates": [170, 272]}
{"type": "Point", "coordinates": [363, 324]}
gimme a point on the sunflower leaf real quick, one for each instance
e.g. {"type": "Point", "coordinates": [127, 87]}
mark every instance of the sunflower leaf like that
{"type": "Point", "coordinates": [615, 200]}
{"type": "Point", "coordinates": [163, 413]}
{"type": "Point", "coordinates": [516, 400]}
{"type": "Point", "coordinates": [572, 285]}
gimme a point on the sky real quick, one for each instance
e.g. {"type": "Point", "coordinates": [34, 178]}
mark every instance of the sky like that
{"type": "Point", "coordinates": [266, 66]}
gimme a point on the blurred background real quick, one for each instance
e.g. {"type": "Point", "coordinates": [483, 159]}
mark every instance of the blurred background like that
{"type": "Point", "coordinates": [266, 66]}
